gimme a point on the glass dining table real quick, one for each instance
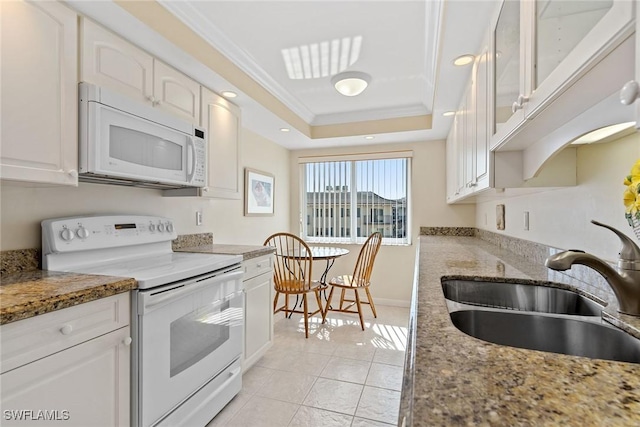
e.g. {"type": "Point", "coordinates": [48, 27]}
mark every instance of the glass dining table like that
{"type": "Point", "coordinates": [328, 254]}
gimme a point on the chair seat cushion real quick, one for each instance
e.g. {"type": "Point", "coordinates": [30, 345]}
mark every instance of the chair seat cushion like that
{"type": "Point", "coordinates": [347, 281]}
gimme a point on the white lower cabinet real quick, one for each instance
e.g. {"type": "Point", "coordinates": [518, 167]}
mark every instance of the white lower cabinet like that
{"type": "Point", "coordinates": [82, 384]}
{"type": "Point", "coordinates": [258, 285]}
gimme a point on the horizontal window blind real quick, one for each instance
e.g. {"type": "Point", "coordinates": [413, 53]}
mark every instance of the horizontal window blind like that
{"type": "Point", "coordinates": [345, 201]}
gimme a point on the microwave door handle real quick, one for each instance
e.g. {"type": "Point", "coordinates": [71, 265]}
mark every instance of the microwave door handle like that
{"type": "Point", "coordinates": [191, 151]}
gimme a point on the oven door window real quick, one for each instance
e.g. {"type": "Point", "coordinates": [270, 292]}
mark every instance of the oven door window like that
{"type": "Point", "coordinates": [200, 333]}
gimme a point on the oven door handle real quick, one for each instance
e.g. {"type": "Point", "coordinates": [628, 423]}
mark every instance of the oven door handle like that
{"type": "Point", "coordinates": [151, 302]}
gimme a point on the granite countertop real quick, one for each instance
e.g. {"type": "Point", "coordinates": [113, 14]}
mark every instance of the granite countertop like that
{"type": "Point", "coordinates": [30, 293]}
{"type": "Point", "coordinates": [454, 379]}
{"type": "Point", "coordinates": [247, 251]}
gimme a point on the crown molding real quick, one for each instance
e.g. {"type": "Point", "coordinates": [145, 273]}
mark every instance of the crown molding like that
{"type": "Point", "coordinates": [368, 115]}
{"type": "Point", "coordinates": [187, 13]}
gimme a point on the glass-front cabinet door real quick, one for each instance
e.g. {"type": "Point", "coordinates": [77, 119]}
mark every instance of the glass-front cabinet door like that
{"type": "Point", "coordinates": [508, 70]}
{"type": "Point", "coordinates": [560, 25]}
{"type": "Point", "coordinates": [542, 47]}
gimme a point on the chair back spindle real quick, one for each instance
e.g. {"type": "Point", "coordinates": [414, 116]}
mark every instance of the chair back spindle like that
{"type": "Point", "coordinates": [293, 262]}
{"type": "Point", "coordinates": [366, 258]}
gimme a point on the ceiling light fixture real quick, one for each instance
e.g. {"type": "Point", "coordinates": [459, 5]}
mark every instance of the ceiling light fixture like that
{"type": "Point", "coordinates": [284, 129]}
{"type": "Point", "coordinates": [463, 60]}
{"type": "Point", "coordinates": [229, 94]}
{"type": "Point", "coordinates": [351, 83]}
{"type": "Point", "coordinates": [369, 137]}
{"type": "Point", "coordinates": [449, 113]}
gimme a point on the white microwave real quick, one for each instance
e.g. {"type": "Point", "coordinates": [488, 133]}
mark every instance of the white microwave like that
{"type": "Point", "coordinates": [127, 143]}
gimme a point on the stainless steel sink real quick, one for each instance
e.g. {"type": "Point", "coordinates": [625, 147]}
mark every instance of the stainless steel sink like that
{"type": "Point", "coordinates": [514, 296]}
{"type": "Point", "coordinates": [548, 333]}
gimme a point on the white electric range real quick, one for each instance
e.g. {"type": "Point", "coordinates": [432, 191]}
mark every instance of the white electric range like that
{"type": "Point", "coordinates": [187, 313]}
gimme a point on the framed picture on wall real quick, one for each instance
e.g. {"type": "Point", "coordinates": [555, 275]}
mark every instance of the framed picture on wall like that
{"type": "Point", "coordinates": [258, 193]}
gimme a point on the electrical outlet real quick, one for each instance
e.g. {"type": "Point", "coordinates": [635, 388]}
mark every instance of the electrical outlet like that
{"type": "Point", "coordinates": [526, 220]}
{"type": "Point", "coordinates": [198, 217]}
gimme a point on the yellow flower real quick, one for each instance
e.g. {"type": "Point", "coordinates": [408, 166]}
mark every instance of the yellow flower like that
{"type": "Point", "coordinates": [634, 177]}
{"type": "Point", "coordinates": [631, 199]}
{"type": "Point", "coordinates": [631, 196]}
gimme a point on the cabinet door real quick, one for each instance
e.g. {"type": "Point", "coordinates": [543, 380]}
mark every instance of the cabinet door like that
{"type": "Point", "coordinates": [39, 135]}
{"type": "Point", "coordinates": [176, 93]}
{"type": "Point", "coordinates": [509, 71]}
{"type": "Point", "coordinates": [567, 38]}
{"type": "Point", "coordinates": [86, 385]}
{"type": "Point", "coordinates": [470, 137]}
{"type": "Point", "coordinates": [112, 62]}
{"type": "Point", "coordinates": [481, 86]}
{"type": "Point", "coordinates": [221, 119]}
{"type": "Point", "coordinates": [258, 317]}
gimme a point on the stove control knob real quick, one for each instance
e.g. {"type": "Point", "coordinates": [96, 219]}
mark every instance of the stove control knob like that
{"type": "Point", "coordinates": [161, 227]}
{"type": "Point", "coordinates": [66, 235]}
{"type": "Point", "coordinates": [152, 227]}
{"type": "Point", "coordinates": [169, 227]}
{"type": "Point", "coordinates": [82, 233]}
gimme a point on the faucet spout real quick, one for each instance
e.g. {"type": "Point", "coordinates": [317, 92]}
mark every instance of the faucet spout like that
{"type": "Point", "coordinates": [624, 280]}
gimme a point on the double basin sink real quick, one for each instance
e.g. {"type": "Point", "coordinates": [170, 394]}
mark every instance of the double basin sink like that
{"type": "Point", "coordinates": [537, 318]}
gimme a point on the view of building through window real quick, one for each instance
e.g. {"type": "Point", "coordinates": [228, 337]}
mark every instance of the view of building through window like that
{"type": "Point", "coordinates": [349, 200]}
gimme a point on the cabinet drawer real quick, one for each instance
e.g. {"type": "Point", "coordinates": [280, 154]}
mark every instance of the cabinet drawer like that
{"type": "Point", "coordinates": [256, 266]}
{"type": "Point", "coordinates": [30, 339]}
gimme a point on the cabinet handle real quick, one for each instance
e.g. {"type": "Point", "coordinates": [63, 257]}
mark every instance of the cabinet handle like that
{"type": "Point", "coordinates": [66, 329]}
{"type": "Point", "coordinates": [629, 92]}
{"type": "Point", "coordinates": [205, 189]}
{"type": "Point", "coordinates": [151, 99]}
{"type": "Point", "coordinates": [259, 265]}
{"type": "Point", "coordinates": [72, 173]}
{"type": "Point", "coordinates": [519, 103]}
{"type": "Point", "coordinates": [127, 341]}
{"type": "Point", "coordinates": [473, 184]}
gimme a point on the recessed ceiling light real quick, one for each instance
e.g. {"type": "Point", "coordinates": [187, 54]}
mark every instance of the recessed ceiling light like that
{"type": "Point", "coordinates": [369, 137]}
{"type": "Point", "coordinates": [463, 60]}
{"type": "Point", "coordinates": [449, 113]}
{"type": "Point", "coordinates": [351, 83]}
{"type": "Point", "coordinates": [229, 94]}
{"type": "Point", "coordinates": [284, 129]}
{"type": "Point", "coordinates": [606, 134]}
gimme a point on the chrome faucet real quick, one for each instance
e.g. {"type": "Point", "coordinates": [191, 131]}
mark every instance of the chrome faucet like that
{"type": "Point", "coordinates": [624, 280]}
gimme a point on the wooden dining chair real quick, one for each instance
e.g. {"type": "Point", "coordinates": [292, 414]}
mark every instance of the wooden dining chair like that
{"type": "Point", "coordinates": [360, 279]}
{"type": "Point", "coordinates": [292, 275]}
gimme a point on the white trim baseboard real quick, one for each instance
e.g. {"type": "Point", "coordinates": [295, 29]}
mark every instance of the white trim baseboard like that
{"type": "Point", "coordinates": [391, 302]}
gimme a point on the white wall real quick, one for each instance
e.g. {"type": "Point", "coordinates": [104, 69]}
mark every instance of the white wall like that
{"type": "Point", "coordinates": [393, 271]}
{"type": "Point", "coordinates": [22, 208]}
{"type": "Point", "coordinates": [560, 217]}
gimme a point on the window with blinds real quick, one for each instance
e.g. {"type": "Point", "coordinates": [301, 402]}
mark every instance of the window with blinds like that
{"type": "Point", "coordinates": [346, 201]}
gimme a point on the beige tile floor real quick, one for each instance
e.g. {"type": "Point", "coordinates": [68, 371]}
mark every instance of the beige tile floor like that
{"type": "Point", "coordinates": [340, 376]}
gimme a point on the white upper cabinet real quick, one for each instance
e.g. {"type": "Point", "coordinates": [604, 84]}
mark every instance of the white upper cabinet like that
{"type": "Point", "coordinates": [109, 61]}
{"type": "Point", "coordinates": [468, 141]}
{"type": "Point", "coordinates": [221, 119]}
{"type": "Point", "coordinates": [176, 93]}
{"type": "Point", "coordinates": [112, 62]}
{"type": "Point", "coordinates": [541, 49]}
{"type": "Point", "coordinates": [39, 136]}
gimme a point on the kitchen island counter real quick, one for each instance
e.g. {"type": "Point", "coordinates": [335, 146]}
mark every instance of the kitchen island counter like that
{"type": "Point", "coordinates": [454, 379]}
{"type": "Point", "coordinates": [30, 293]}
